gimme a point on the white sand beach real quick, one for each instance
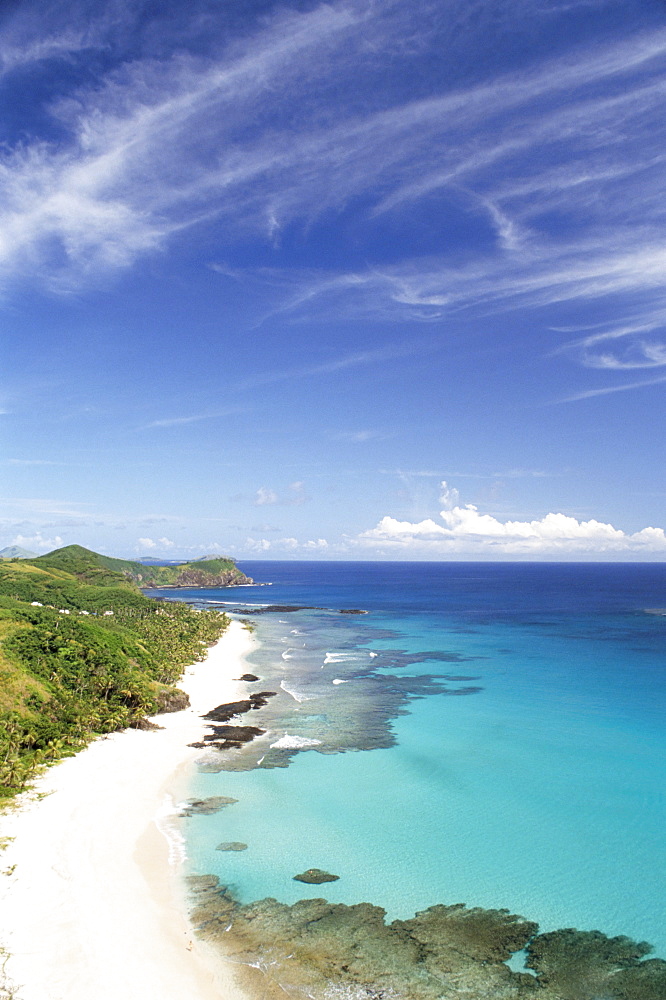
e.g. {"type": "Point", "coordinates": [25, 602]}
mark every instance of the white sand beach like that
{"type": "Point", "coordinates": [91, 906]}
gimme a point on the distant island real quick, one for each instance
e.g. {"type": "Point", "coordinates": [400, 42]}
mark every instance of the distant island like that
{"type": "Point", "coordinates": [16, 552]}
{"type": "Point", "coordinates": [211, 571]}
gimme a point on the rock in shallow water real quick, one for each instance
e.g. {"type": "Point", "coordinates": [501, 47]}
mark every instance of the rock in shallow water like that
{"type": "Point", "coordinates": [315, 876]}
{"type": "Point", "coordinates": [228, 737]}
{"type": "Point", "coordinates": [206, 807]}
{"type": "Point", "coordinates": [231, 845]}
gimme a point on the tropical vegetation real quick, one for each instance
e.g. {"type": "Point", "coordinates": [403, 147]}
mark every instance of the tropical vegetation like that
{"type": "Point", "coordinates": [83, 652]}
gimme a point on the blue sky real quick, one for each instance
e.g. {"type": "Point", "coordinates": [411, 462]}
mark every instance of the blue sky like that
{"type": "Point", "coordinates": [352, 280]}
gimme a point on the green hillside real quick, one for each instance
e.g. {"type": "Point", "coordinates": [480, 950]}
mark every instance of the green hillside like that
{"type": "Point", "coordinates": [103, 570]}
{"type": "Point", "coordinates": [84, 652]}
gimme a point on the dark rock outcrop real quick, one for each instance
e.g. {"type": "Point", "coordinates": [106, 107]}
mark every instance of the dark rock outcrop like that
{"type": "Point", "coordinates": [225, 712]}
{"type": "Point", "coordinates": [144, 724]}
{"type": "Point", "coordinates": [200, 578]}
{"type": "Point", "coordinates": [228, 737]}
{"type": "Point", "coordinates": [173, 700]}
{"type": "Point", "coordinates": [315, 876]}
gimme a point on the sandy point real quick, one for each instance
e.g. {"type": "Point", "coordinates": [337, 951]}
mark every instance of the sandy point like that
{"type": "Point", "coordinates": [91, 900]}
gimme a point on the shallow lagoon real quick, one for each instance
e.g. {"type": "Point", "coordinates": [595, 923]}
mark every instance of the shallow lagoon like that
{"type": "Point", "coordinates": [541, 792]}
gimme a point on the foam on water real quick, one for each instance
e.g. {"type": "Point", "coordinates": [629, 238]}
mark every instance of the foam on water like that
{"type": "Point", "coordinates": [288, 742]}
{"type": "Point", "coordinates": [166, 821]}
{"type": "Point", "coordinates": [339, 657]}
{"type": "Point", "coordinates": [298, 696]}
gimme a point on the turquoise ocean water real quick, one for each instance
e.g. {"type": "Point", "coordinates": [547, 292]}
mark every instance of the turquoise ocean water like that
{"type": "Point", "coordinates": [487, 733]}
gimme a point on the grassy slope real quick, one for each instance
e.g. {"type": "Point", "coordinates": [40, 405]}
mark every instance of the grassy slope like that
{"type": "Point", "coordinates": [96, 568]}
{"type": "Point", "coordinates": [66, 677]}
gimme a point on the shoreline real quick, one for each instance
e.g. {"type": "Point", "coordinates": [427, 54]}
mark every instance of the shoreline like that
{"type": "Point", "coordinates": [91, 890]}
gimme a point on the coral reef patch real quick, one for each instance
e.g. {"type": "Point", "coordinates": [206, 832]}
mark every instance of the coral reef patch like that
{"type": "Point", "coordinates": [328, 689]}
{"type": "Point", "coordinates": [324, 950]}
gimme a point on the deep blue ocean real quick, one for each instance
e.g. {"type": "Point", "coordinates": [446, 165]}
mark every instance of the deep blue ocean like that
{"type": "Point", "coordinates": [487, 733]}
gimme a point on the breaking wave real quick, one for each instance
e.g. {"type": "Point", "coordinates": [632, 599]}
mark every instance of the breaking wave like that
{"type": "Point", "coordinates": [288, 742]}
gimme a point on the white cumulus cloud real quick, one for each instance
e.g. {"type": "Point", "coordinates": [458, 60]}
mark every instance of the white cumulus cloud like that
{"type": "Point", "coordinates": [320, 544]}
{"type": "Point", "coordinates": [37, 541]}
{"type": "Point", "coordinates": [257, 545]}
{"type": "Point", "coordinates": [449, 496]}
{"type": "Point", "coordinates": [287, 544]}
{"type": "Point", "coordinates": [464, 530]}
{"type": "Point", "coordinates": [294, 496]}
{"type": "Point", "coordinates": [150, 543]}
{"type": "Point", "coordinates": [265, 496]}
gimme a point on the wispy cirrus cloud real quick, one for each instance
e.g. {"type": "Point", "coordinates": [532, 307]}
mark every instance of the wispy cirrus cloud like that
{"type": "Point", "coordinates": [125, 177]}
{"type": "Point", "coordinates": [547, 164]}
{"type": "Point", "coordinates": [167, 422]}
{"type": "Point", "coordinates": [430, 288]}
{"type": "Point", "coordinates": [32, 461]}
{"type": "Point", "coordinates": [360, 436]}
{"type": "Point", "coordinates": [630, 344]}
{"type": "Point", "coordinates": [517, 473]}
{"type": "Point", "coordinates": [25, 42]}
{"type": "Point", "coordinates": [389, 352]}
{"type": "Point", "coordinates": [128, 177]}
{"type": "Point", "coordinates": [43, 506]}
{"type": "Point", "coordinates": [606, 390]}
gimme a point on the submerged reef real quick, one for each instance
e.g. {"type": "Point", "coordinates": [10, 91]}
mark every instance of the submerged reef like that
{"type": "Point", "coordinates": [335, 693]}
{"type": "Point", "coordinates": [324, 950]}
{"type": "Point", "coordinates": [206, 807]}
{"type": "Point", "coordinates": [330, 693]}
